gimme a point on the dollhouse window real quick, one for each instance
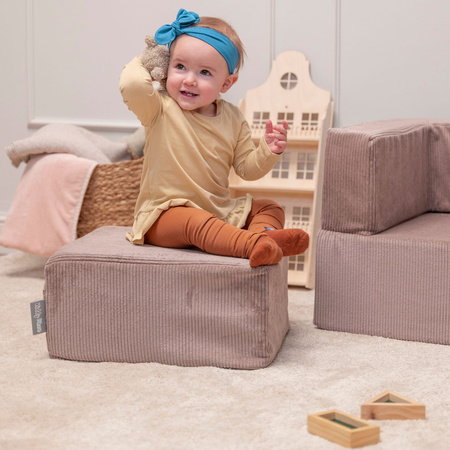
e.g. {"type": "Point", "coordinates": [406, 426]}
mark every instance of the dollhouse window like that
{"type": "Point", "coordinates": [296, 263]}
{"type": "Point", "coordinates": [281, 168]}
{"type": "Point", "coordinates": [288, 80]}
{"type": "Point", "coordinates": [310, 121]}
{"type": "Point", "coordinates": [287, 116]}
{"type": "Point", "coordinates": [301, 215]}
{"type": "Point", "coordinates": [305, 166]}
{"type": "Point", "coordinates": [260, 118]}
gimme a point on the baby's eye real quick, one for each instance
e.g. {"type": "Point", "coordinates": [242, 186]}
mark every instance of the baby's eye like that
{"type": "Point", "coordinates": [205, 72]}
{"type": "Point", "coordinates": [180, 66]}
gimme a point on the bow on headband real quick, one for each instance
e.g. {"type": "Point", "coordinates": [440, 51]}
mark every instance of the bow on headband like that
{"type": "Point", "coordinates": [168, 33]}
{"type": "Point", "coordinates": [183, 25]}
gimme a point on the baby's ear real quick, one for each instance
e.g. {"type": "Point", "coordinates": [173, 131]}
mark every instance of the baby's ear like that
{"type": "Point", "coordinates": [231, 79]}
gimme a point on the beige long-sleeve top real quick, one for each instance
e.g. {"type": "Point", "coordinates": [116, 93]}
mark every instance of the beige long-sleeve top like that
{"type": "Point", "coordinates": [188, 156]}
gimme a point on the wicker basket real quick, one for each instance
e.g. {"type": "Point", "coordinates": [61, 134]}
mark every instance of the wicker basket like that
{"type": "Point", "coordinates": [110, 196]}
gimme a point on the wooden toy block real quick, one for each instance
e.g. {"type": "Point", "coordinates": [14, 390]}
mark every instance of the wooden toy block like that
{"type": "Point", "coordinates": [343, 429]}
{"type": "Point", "coordinates": [391, 406]}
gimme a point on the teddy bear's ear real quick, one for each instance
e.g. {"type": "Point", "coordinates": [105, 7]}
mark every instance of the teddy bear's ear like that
{"type": "Point", "coordinates": [150, 41]}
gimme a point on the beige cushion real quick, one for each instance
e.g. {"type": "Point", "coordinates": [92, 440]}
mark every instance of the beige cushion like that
{"type": "Point", "coordinates": [109, 300]}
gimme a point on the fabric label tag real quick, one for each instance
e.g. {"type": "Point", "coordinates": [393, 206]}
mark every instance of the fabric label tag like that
{"type": "Point", "coordinates": [38, 319]}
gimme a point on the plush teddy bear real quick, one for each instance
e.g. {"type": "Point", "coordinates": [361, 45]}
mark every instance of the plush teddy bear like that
{"type": "Point", "coordinates": [155, 58]}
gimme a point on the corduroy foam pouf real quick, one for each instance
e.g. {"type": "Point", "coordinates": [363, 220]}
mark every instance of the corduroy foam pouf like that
{"type": "Point", "coordinates": [110, 300]}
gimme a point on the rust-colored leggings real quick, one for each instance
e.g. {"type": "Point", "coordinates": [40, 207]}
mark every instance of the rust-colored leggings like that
{"type": "Point", "coordinates": [184, 226]}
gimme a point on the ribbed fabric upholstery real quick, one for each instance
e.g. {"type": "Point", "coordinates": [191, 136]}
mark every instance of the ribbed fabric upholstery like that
{"type": "Point", "coordinates": [109, 300]}
{"type": "Point", "coordinates": [384, 286]}
{"type": "Point", "coordinates": [439, 174]}
{"type": "Point", "coordinates": [379, 174]}
{"type": "Point", "coordinates": [383, 251]}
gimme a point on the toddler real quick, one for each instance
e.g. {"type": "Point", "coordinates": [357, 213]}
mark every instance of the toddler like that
{"type": "Point", "coordinates": [193, 138]}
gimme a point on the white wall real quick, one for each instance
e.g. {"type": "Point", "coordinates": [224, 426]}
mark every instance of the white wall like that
{"type": "Point", "coordinates": [61, 60]}
{"type": "Point", "coordinates": [393, 60]}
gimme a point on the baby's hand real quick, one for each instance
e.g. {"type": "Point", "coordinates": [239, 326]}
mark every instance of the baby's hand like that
{"type": "Point", "coordinates": [276, 137]}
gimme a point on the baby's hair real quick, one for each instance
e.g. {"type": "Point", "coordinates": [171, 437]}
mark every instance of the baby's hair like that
{"type": "Point", "coordinates": [226, 29]}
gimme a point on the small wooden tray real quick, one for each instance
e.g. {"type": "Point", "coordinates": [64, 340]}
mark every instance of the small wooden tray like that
{"type": "Point", "coordinates": [389, 405]}
{"type": "Point", "coordinates": [343, 429]}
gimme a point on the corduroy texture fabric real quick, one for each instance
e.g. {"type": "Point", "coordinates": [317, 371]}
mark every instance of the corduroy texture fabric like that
{"type": "Point", "coordinates": [379, 174]}
{"type": "Point", "coordinates": [383, 251]}
{"type": "Point", "coordinates": [109, 300]}
{"type": "Point", "coordinates": [394, 284]}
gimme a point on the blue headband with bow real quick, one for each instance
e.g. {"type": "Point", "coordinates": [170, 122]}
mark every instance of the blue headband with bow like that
{"type": "Point", "coordinates": [182, 25]}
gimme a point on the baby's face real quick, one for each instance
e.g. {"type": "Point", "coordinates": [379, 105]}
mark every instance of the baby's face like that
{"type": "Point", "coordinates": [197, 75]}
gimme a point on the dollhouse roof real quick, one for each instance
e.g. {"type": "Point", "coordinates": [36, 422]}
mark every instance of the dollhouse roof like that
{"type": "Point", "coordinates": [288, 92]}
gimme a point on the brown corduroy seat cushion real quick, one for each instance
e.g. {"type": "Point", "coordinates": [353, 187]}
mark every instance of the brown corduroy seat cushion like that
{"type": "Point", "coordinates": [383, 251]}
{"type": "Point", "coordinates": [110, 300]}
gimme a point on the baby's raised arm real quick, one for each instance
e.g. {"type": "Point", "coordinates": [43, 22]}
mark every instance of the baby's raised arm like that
{"type": "Point", "coordinates": [137, 91]}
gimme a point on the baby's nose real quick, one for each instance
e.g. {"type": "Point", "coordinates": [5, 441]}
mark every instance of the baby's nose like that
{"type": "Point", "coordinates": [190, 80]}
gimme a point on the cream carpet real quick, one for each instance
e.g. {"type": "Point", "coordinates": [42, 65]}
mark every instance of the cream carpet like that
{"type": "Point", "coordinates": [55, 404]}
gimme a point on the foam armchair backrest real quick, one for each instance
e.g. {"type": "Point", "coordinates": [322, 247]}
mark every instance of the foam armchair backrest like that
{"type": "Point", "coordinates": [379, 174]}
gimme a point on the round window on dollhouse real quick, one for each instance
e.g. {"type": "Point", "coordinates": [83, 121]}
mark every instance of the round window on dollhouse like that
{"type": "Point", "coordinates": [288, 80]}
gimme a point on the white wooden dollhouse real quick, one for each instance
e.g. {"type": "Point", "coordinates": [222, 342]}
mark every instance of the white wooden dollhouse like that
{"type": "Point", "coordinates": [296, 180]}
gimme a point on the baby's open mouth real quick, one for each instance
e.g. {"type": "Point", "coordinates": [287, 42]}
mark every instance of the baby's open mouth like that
{"type": "Point", "coordinates": [188, 94]}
